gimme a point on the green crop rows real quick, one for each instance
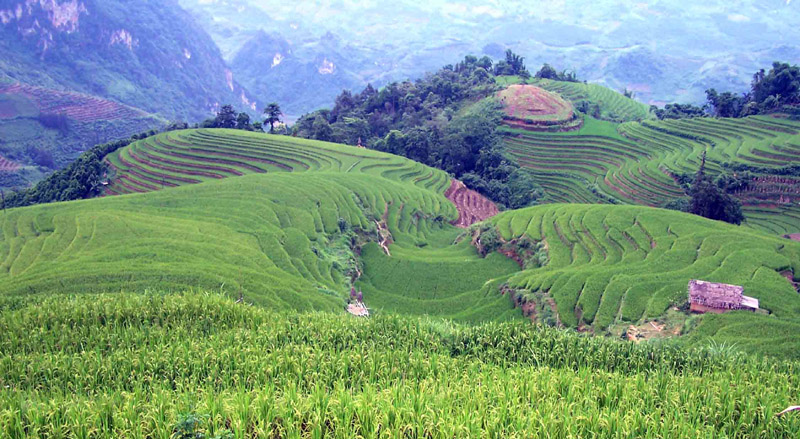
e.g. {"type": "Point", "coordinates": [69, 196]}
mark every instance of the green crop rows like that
{"type": "Point", "coordinates": [613, 106]}
{"type": "Point", "coordinates": [187, 157]}
{"type": "Point", "coordinates": [625, 263]}
{"type": "Point", "coordinates": [115, 366]}
{"type": "Point", "coordinates": [636, 162]}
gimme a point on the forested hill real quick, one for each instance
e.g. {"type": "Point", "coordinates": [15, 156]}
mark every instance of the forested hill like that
{"type": "Point", "coordinates": [442, 120]}
{"type": "Point", "coordinates": [147, 54]}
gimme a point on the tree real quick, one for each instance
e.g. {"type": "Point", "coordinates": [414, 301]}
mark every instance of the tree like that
{"type": "Point", "coordinates": [257, 126]}
{"type": "Point", "coordinates": [243, 122]}
{"type": "Point", "coordinates": [321, 129]}
{"type": "Point", "coordinates": [710, 202]}
{"type": "Point", "coordinates": [273, 113]}
{"type": "Point", "coordinates": [547, 72]}
{"type": "Point", "coordinates": [226, 117]}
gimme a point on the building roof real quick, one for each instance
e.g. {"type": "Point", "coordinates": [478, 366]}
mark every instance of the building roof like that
{"type": "Point", "coordinates": [715, 295]}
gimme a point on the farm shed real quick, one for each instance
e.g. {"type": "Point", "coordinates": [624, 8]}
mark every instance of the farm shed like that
{"type": "Point", "coordinates": [718, 298]}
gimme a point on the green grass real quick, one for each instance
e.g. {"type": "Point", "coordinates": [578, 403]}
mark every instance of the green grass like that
{"type": "Point", "coordinates": [133, 366]}
{"type": "Point", "coordinates": [613, 264]}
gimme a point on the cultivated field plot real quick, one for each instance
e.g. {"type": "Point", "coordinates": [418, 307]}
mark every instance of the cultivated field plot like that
{"type": "Point", "coordinates": [7, 165]}
{"type": "Point", "coordinates": [532, 108]}
{"type": "Point", "coordinates": [193, 156]}
{"type": "Point", "coordinates": [613, 106]}
{"type": "Point", "coordinates": [128, 366]}
{"type": "Point", "coordinates": [636, 162]}
{"type": "Point", "coordinates": [626, 263]}
{"type": "Point", "coordinates": [76, 106]}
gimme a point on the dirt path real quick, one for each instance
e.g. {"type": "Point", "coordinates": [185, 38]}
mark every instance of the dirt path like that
{"type": "Point", "coordinates": [472, 206]}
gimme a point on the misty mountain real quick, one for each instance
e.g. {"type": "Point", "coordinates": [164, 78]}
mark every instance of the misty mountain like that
{"type": "Point", "coordinates": [665, 51]}
{"type": "Point", "coordinates": [147, 54]}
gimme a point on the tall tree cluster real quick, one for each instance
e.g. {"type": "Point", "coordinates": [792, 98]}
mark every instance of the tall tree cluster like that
{"type": "Point", "coordinates": [776, 90]}
{"type": "Point", "coordinates": [709, 201]}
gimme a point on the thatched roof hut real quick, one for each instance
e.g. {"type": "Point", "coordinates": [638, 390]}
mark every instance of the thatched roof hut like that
{"type": "Point", "coordinates": [718, 298]}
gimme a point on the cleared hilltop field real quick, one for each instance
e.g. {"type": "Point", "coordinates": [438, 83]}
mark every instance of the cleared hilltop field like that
{"type": "Point", "coordinates": [637, 162]}
{"type": "Point", "coordinates": [532, 108]}
{"type": "Point", "coordinates": [611, 106]}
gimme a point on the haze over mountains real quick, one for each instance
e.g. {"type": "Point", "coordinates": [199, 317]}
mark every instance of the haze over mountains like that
{"type": "Point", "coordinates": [665, 51]}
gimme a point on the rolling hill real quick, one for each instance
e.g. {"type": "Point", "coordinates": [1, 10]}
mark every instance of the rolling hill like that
{"type": "Point", "coordinates": [309, 217]}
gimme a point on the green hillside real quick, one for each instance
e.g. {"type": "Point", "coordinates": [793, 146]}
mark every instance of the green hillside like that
{"type": "Point", "coordinates": [282, 239]}
{"type": "Point", "coordinates": [136, 366]}
{"type": "Point", "coordinates": [297, 240]}
{"type": "Point", "coordinates": [603, 102]}
{"type": "Point", "coordinates": [637, 162]}
{"type": "Point", "coordinates": [102, 339]}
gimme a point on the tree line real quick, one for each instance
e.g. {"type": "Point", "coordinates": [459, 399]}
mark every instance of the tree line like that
{"type": "Point", "coordinates": [776, 90]}
{"type": "Point", "coordinates": [227, 117]}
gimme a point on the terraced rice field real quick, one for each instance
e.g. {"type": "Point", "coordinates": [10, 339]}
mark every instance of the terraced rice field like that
{"type": "Point", "coordinates": [532, 108]}
{"type": "Point", "coordinates": [194, 156]}
{"type": "Point", "coordinates": [7, 165]}
{"type": "Point", "coordinates": [612, 264]}
{"type": "Point", "coordinates": [634, 163]}
{"type": "Point", "coordinates": [76, 106]}
{"type": "Point", "coordinates": [265, 235]}
{"type": "Point", "coordinates": [613, 106]}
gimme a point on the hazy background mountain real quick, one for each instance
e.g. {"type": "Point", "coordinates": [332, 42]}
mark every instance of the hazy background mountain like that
{"type": "Point", "coordinates": [665, 51]}
{"type": "Point", "coordinates": [75, 73]}
{"type": "Point", "coordinates": [147, 54]}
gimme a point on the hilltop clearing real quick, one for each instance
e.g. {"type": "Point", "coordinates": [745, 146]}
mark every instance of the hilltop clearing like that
{"type": "Point", "coordinates": [534, 109]}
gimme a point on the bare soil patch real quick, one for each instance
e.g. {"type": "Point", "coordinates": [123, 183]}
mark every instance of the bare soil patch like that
{"type": "Point", "coordinates": [472, 206]}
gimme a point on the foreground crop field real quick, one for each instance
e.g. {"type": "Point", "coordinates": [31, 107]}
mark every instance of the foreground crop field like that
{"type": "Point", "coordinates": [636, 163]}
{"type": "Point", "coordinates": [611, 264]}
{"type": "Point", "coordinates": [136, 366]}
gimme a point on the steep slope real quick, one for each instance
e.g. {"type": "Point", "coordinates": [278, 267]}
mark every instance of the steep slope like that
{"type": "Point", "coordinates": [146, 54]}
